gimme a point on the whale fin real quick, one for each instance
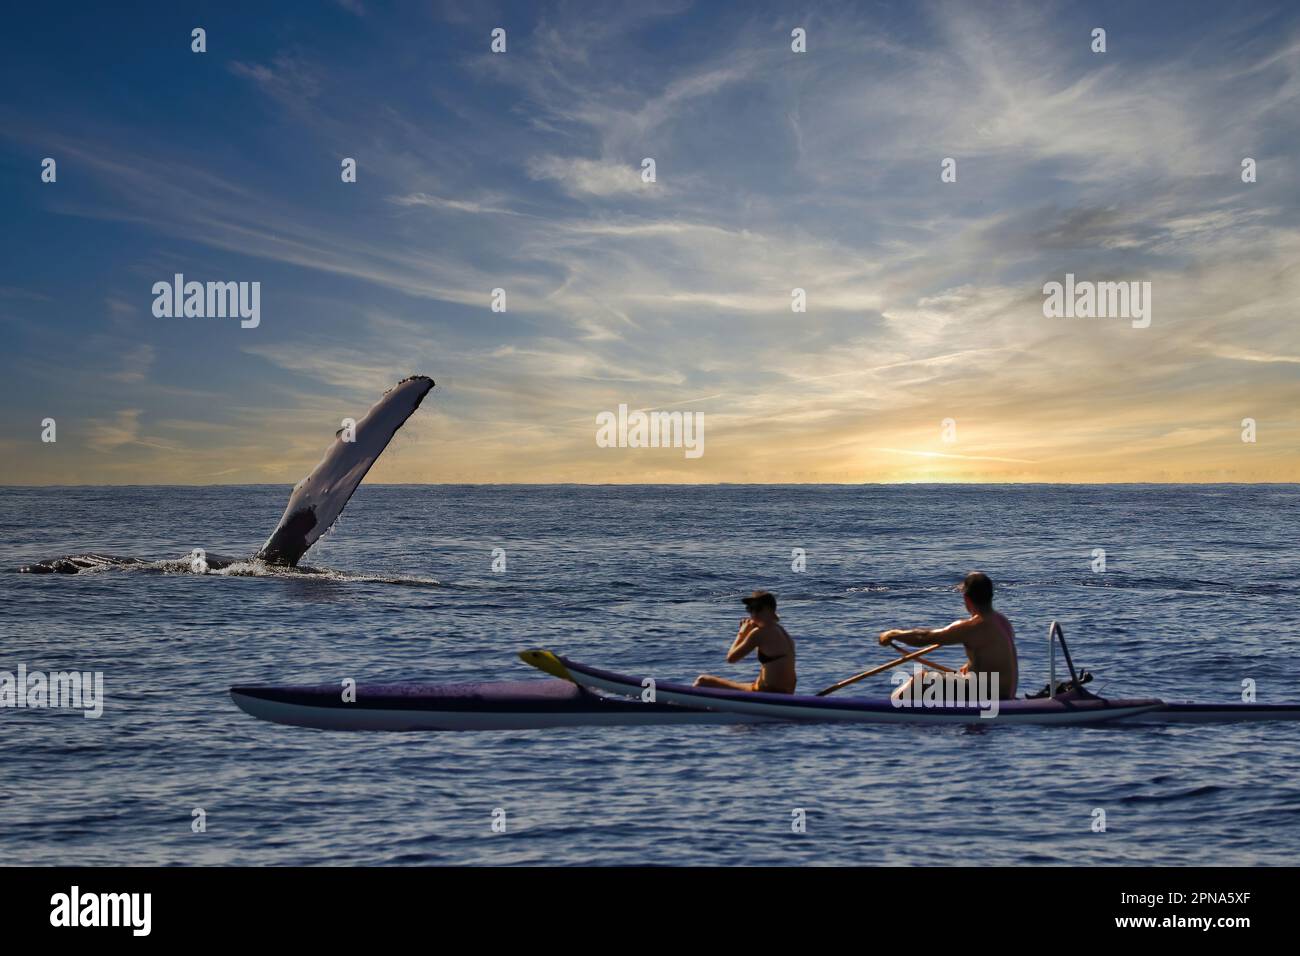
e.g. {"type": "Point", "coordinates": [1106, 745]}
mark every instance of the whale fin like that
{"type": "Point", "coordinates": [319, 499]}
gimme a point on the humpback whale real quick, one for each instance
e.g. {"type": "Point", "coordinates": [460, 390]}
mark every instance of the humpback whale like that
{"type": "Point", "coordinates": [316, 501]}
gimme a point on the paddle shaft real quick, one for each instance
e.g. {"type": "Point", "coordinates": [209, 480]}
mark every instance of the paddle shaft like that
{"type": "Point", "coordinates": [876, 670]}
{"type": "Point", "coordinates": [926, 661]}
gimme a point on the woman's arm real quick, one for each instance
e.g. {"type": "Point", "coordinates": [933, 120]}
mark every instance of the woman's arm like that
{"type": "Point", "coordinates": [745, 642]}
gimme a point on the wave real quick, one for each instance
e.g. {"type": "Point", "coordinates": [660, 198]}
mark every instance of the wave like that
{"type": "Point", "coordinates": [253, 568]}
{"type": "Point", "coordinates": [1112, 580]}
{"type": "Point", "coordinates": [94, 563]}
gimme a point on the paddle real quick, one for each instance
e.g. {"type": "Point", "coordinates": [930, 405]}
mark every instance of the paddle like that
{"type": "Point", "coordinates": [915, 655]}
{"type": "Point", "coordinates": [922, 660]}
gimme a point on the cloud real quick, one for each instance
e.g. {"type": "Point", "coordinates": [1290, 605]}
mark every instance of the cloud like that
{"type": "Point", "coordinates": [289, 77]}
{"type": "Point", "coordinates": [1247, 355]}
{"type": "Point", "coordinates": [450, 205]}
{"type": "Point", "coordinates": [590, 177]}
{"type": "Point", "coordinates": [135, 364]}
{"type": "Point", "coordinates": [107, 435]}
{"type": "Point", "coordinates": [938, 454]}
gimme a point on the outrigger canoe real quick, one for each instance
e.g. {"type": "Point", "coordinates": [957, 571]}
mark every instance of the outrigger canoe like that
{"type": "Point", "coordinates": [586, 696]}
{"type": "Point", "coordinates": [543, 704]}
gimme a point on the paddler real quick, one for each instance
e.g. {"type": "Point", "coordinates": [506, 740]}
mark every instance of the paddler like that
{"type": "Point", "coordinates": [761, 631]}
{"type": "Point", "coordinates": [988, 637]}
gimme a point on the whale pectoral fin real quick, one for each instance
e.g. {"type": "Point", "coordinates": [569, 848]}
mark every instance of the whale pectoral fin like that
{"type": "Point", "coordinates": [320, 498]}
{"type": "Point", "coordinates": [290, 540]}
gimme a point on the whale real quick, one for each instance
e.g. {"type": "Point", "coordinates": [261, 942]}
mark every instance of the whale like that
{"type": "Point", "coordinates": [316, 501]}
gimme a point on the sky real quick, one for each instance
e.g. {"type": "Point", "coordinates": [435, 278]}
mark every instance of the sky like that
{"type": "Point", "coordinates": [924, 354]}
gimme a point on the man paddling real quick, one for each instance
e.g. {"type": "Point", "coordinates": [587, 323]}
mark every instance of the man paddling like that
{"type": "Point", "coordinates": [988, 637]}
{"type": "Point", "coordinates": [762, 632]}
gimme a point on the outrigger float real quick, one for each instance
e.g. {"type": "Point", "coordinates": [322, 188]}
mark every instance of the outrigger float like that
{"type": "Point", "coordinates": [578, 695]}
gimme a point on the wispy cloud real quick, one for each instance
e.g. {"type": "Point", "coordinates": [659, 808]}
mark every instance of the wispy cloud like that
{"type": "Point", "coordinates": [288, 78]}
{"type": "Point", "coordinates": [579, 176]}
{"type": "Point", "coordinates": [938, 454]}
{"type": "Point", "coordinates": [451, 205]}
{"type": "Point", "coordinates": [108, 435]}
{"type": "Point", "coordinates": [135, 364]}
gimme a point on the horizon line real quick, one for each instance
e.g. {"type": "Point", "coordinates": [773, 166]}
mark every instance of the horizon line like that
{"type": "Point", "coordinates": [670, 484]}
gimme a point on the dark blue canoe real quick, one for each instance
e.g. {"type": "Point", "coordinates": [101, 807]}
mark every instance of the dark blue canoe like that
{"type": "Point", "coordinates": [614, 700]}
{"type": "Point", "coordinates": [500, 705]}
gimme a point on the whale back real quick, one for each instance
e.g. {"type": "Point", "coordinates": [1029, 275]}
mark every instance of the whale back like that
{"type": "Point", "coordinates": [320, 498]}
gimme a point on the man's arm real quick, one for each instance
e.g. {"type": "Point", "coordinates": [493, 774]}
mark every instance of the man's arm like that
{"type": "Point", "coordinates": [954, 633]}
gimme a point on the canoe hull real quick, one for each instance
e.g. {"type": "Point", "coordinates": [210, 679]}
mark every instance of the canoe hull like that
{"type": "Point", "coordinates": [504, 705]}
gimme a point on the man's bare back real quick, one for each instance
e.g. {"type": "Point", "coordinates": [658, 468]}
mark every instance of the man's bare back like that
{"type": "Point", "coordinates": [987, 635]}
{"type": "Point", "coordinates": [990, 643]}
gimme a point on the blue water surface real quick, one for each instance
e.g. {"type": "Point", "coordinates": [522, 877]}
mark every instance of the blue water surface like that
{"type": "Point", "coordinates": [1199, 593]}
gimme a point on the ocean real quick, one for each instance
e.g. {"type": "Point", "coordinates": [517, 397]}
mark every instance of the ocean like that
{"type": "Point", "coordinates": [1200, 591]}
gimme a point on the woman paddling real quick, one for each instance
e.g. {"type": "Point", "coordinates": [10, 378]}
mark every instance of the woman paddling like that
{"type": "Point", "coordinates": [762, 632]}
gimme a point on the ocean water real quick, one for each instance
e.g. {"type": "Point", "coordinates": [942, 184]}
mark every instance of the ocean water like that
{"type": "Point", "coordinates": [1201, 590]}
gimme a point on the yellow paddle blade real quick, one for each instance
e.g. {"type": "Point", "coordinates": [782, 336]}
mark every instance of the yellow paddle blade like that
{"type": "Point", "coordinates": [548, 662]}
